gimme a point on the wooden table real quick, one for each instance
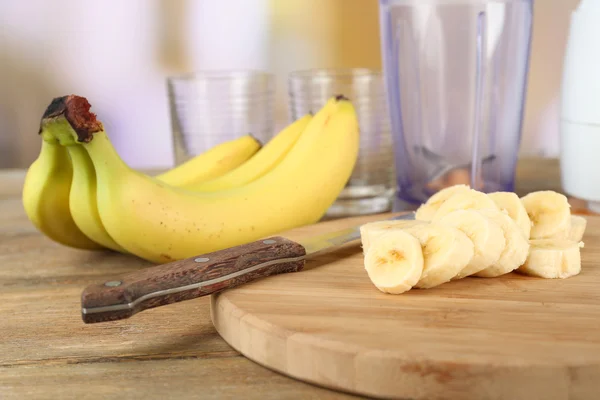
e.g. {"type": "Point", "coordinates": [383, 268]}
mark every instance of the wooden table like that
{"type": "Point", "coordinates": [172, 352]}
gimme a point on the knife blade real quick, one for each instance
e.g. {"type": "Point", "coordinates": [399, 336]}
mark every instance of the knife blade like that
{"type": "Point", "coordinates": [124, 296]}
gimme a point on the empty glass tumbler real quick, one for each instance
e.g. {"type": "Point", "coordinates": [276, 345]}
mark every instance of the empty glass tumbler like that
{"type": "Point", "coordinates": [209, 108]}
{"type": "Point", "coordinates": [455, 76]}
{"type": "Point", "coordinates": [371, 186]}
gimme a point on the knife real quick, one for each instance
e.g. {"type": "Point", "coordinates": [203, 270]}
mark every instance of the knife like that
{"type": "Point", "coordinates": [205, 274]}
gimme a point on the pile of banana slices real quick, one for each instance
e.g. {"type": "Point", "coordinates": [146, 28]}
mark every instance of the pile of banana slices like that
{"type": "Point", "coordinates": [462, 232]}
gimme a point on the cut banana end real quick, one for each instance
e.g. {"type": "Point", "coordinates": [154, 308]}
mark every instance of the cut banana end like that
{"type": "Point", "coordinates": [471, 200]}
{"type": "Point", "coordinates": [578, 225]}
{"type": "Point", "coordinates": [394, 262]}
{"type": "Point", "coordinates": [446, 252]}
{"type": "Point", "coordinates": [371, 231]}
{"type": "Point", "coordinates": [516, 248]}
{"type": "Point", "coordinates": [553, 259]}
{"type": "Point", "coordinates": [550, 214]}
{"type": "Point", "coordinates": [486, 235]}
{"type": "Point", "coordinates": [426, 211]}
{"type": "Point", "coordinates": [513, 205]}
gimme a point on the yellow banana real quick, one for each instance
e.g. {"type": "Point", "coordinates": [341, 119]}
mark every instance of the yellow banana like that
{"type": "Point", "coordinates": [82, 199]}
{"type": "Point", "coordinates": [161, 223]}
{"type": "Point", "coordinates": [46, 196]}
{"type": "Point", "coordinates": [261, 163]}
{"type": "Point", "coordinates": [213, 163]}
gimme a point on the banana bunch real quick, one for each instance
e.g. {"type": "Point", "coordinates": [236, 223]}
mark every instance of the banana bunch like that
{"type": "Point", "coordinates": [461, 232]}
{"type": "Point", "coordinates": [80, 193]}
{"type": "Point", "coordinates": [59, 193]}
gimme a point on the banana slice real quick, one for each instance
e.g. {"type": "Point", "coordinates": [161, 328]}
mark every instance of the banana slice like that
{"type": "Point", "coordinates": [578, 225]}
{"type": "Point", "coordinates": [550, 213]}
{"type": "Point", "coordinates": [394, 262]}
{"type": "Point", "coordinates": [486, 235]}
{"type": "Point", "coordinates": [426, 211]}
{"type": "Point", "coordinates": [471, 200]}
{"type": "Point", "coordinates": [516, 248]}
{"type": "Point", "coordinates": [371, 231]}
{"type": "Point", "coordinates": [553, 259]}
{"type": "Point", "coordinates": [446, 252]}
{"type": "Point", "coordinates": [513, 205]}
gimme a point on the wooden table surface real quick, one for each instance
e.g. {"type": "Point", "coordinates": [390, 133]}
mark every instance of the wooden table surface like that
{"type": "Point", "coordinates": [172, 352]}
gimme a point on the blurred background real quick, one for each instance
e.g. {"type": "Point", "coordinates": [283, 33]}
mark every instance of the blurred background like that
{"type": "Point", "coordinates": [119, 53]}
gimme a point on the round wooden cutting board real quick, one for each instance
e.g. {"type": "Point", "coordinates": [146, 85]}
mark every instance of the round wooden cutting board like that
{"type": "Point", "coordinates": [513, 337]}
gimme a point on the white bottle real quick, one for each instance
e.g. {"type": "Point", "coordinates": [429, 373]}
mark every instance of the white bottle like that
{"type": "Point", "coordinates": [580, 106]}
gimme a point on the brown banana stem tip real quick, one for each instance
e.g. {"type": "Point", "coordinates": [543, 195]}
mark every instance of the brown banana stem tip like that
{"type": "Point", "coordinates": [341, 97]}
{"type": "Point", "coordinates": [76, 110]}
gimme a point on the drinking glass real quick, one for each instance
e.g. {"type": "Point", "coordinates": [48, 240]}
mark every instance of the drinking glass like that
{"type": "Point", "coordinates": [371, 186]}
{"type": "Point", "coordinates": [211, 107]}
{"type": "Point", "coordinates": [455, 76]}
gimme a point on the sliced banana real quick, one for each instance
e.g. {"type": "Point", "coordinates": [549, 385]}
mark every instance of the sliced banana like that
{"type": "Point", "coordinates": [471, 200]}
{"type": "Point", "coordinates": [516, 248]}
{"type": "Point", "coordinates": [486, 235]}
{"type": "Point", "coordinates": [371, 231]}
{"type": "Point", "coordinates": [550, 214]}
{"type": "Point", "coordinates": [553, 259]}
{"type": "Point", "coordinates": [513, 205]}
{"type": "Point", "coordinates": [578, 225]}
{"type": "Point", "coordinates": [446, 252]}
{"type": "Point", "coordinates": [394, 261]}
{"type": "Point", "coordinates": [426, 211]}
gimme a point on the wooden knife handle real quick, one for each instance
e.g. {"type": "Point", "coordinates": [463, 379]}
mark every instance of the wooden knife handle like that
{"type": "Point", "coordinates": [121, 297]}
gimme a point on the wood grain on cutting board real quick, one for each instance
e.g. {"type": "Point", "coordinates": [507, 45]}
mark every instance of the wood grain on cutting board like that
{"type": "Point", "coordinates": [513, 337]}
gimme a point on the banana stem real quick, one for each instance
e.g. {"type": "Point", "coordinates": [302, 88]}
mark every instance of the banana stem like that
{"type": "Point", "coordinates": [76, 110]}
{"type": "Point", "coordinates": [75, 125]}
